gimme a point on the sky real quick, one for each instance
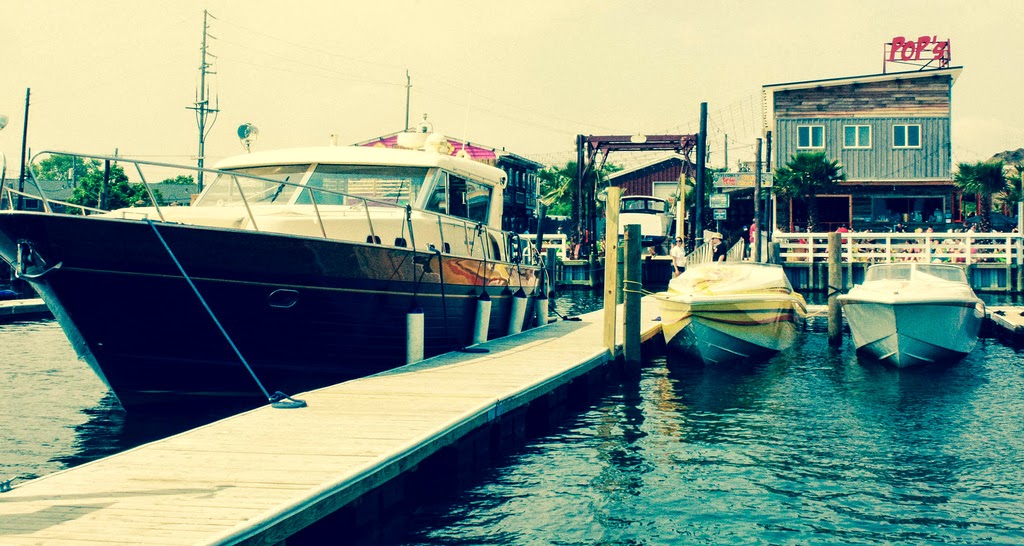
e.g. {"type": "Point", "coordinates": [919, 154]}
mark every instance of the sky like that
{"type": "Point", "coordinates": [526, 75]}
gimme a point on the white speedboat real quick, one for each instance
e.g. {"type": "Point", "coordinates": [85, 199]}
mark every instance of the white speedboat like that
{"type": "Point", "coordinates": [908, 314]}
{"type": "Point", "coordinates": [725, 311]}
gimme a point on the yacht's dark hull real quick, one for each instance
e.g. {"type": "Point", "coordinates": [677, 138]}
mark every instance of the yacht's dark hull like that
{"type": "Point", "coordinates": [303, 312]}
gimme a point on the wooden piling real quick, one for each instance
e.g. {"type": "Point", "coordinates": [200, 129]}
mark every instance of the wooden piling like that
{"type": "Point", "coordinates": [632, 287]}
{"type": "Point", "coordinates": [552, 257]}
{"type": "Point", "coordinates": [835, 281]}
{"type": "Point", "coordinates": [611, 250]}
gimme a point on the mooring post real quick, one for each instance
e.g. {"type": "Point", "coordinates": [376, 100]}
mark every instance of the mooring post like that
{"type": "Point", "coordinates": [611, 251]}
{"type": "Point", "coordinates": [552, 257]}
{"type": "Point", "coordinates": [632, 289]}
{"type": "Point", "coordinates": [620, 260]}
{"type": "Point", "coordinates": [835, 281]}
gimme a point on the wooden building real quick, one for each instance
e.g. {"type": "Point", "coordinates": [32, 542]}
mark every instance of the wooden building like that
{"type": "Point", "coordinates": [658, 177]}
{"type": "Point", "coordinates": [891, 134]}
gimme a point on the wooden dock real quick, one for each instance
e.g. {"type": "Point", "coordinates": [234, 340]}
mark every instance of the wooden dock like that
{"type": "Point", "coordinates": [262, 476]}
{"type": "Point", "coordinates": [28, 309]}
{"type": "Point", "coordinates": [1007, 322]}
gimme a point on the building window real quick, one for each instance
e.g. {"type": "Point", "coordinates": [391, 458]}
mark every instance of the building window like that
{"type": "Point", "coordinates": [856, 136]}
{"type": "Point", "coordinates": [810, 136]}
{"type": "Point", "coordinates": [906, 136]}
{"type": "Point", "coordinates": [910, 209]}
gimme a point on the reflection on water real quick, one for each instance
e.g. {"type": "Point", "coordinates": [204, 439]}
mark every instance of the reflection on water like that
{"type": "Point", "coordinates": [56, 413]}
{"type": "Point", "coordinates": [810, 447]}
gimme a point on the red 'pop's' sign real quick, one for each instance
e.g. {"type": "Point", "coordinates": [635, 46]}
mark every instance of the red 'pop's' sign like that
{"type": "Point", "coordinates": [913, 50]}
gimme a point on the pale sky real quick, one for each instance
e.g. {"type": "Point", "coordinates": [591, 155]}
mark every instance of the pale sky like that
{"type": "Point", "coordinates": [524, 75]}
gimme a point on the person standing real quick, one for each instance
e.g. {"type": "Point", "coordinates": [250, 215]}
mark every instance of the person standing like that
{"type": "Point", "coordinates": [678, 254]}
{"type": "Point", "coordinates": [718, 247]}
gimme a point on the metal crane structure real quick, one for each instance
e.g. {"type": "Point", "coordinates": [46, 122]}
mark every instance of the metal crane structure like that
{"type": "Point", "coordinates": [588, 151]}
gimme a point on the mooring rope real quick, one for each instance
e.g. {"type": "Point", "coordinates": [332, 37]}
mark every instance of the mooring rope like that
{"type": "Point", "coordinates": [278, 399]}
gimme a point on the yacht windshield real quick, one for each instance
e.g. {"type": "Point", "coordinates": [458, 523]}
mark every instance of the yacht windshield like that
{"type": "Point", "coordinates": [345, 184]}
{"type": "Point", "coordinates": [283, 183]}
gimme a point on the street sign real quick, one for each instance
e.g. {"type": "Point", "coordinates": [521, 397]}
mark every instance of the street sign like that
{"type": "Point", "coordinates": [741, 180]}
{"type": "Point", "coordinates": [719, 200]}
{"type": "Point", "coordinates": [721, 214]}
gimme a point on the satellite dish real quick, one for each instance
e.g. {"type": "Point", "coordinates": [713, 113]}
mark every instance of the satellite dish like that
{"type": "Point", "coordinates": [247, 133]}
{"type": "Point", "coordinates": [3, 121]}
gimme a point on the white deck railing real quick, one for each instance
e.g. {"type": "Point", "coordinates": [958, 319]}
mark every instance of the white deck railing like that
{"type": "Point", "coordinates": [957, 248]}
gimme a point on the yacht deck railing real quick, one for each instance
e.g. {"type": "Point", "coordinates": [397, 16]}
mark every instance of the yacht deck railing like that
{"type": "Point", "coordinates": [516, 249]}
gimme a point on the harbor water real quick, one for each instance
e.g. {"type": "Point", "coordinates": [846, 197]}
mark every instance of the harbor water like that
{"type": "Point", "coordinates": [810, 447]}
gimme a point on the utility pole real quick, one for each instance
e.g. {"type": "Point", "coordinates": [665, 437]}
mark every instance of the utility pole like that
{"type": "Point", "coordinates": [726, 155]}
{"type": "Point", "coordinates": [769, 215]}
{"type": "Point", "coordinates": [24, 144]}
{"type": "Point", "coordinates": [202, 104]}
{"type": "Point", "coordinates": [756, 228]}
{"type": "Point", "coordinates": [408, 91]}
{"type": "Point", "coordinates": [702, 140]}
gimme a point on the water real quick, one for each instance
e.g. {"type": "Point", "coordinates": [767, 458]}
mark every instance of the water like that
{"type": "Point", "coordinates": [811, 447]}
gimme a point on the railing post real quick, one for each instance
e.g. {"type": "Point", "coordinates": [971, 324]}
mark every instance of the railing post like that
{"type": "Point", "coordinates": [1020, 261]}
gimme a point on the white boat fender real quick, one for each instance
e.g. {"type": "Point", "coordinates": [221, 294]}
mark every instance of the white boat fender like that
{"type": "Point", "coordinates": [518, 312]}
{"type": "Point", "coordinates": [483, 318]}
{"type": "Point", "coordinates": [414, 335]}
{"type": "Point", "coordinates": [541, 309]}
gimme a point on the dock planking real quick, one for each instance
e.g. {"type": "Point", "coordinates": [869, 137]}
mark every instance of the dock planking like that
{"type": "Point", "coordinates": [25, 309]}
{"type": "Point", "coordinates": [261, 476]}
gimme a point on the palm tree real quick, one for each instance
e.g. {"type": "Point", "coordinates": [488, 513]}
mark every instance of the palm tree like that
{"type": "Point", "coordinates": [1014, 193]}
{"type": "Point", "coordinates": [984, 179]}
{"type": "Point", "coordinates": [805, 175]}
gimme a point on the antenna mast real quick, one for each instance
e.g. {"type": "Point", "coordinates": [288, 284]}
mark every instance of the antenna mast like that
{"type": "Point", "coordinates": [202, 104]}
{"type": "Point", "coordinates": [408, 90]}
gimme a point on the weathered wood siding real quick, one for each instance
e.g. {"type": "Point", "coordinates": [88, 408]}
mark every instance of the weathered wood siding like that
{"type": "Point", "coordinates": [642, 182]}
{"type": "Point", "coordinates": [880, 105]}
{"type": "Point", "coordinates": [932, 161]}
{"type": "Point", "coordinates": [919, 97]}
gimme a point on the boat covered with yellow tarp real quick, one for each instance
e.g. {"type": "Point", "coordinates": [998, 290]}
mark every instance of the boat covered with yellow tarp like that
{"type": "Point", "coordinates": [725, 312]}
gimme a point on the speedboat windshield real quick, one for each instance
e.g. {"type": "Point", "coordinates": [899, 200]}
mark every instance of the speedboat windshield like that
{"type": "Point", "coordinates": [928, 272]}
{"type": "Point", "coordinates": [725, 278]}
{"type": "Point", "coordinates": [227, 190]}
{"type": "Point", "coordinates": [894, 272]}
{"type": "Point", "coordinates": [916, 272]}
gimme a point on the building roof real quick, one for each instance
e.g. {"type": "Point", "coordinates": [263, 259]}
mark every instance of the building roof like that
{"type": "Point", "coordinates": [652, 163]}
{"type": "Point", "coordinates": [179, 193]}
{"type": "Point", "coordinates": [953, 72]}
